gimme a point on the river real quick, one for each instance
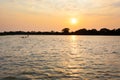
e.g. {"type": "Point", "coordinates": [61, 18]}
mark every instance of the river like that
{"type": "Point", "coordinates": [51, 57]}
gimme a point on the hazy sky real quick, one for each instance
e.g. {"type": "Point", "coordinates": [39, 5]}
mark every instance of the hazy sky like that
{"type": "Point", "coordinates": [47, 15]}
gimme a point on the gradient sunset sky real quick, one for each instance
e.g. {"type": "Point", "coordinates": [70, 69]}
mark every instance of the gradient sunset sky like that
{"type": "Point", "coordinates": [47, 15]}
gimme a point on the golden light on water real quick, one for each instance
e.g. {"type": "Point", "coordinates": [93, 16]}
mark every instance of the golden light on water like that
{"type": "Point", "coordinates": [74, 46]}
{"type": "Point", "coordinates": [73, 38]}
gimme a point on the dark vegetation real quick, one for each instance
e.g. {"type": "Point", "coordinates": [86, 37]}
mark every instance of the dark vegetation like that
{"type": "Point", "coordinates": [66, 31]}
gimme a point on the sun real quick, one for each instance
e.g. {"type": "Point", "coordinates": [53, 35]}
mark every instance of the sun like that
{"type": "Point", "coordinates": [73, 21]}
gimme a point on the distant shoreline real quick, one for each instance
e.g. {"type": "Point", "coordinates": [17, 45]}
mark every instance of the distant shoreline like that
{"type": "Point", "coordinates": [8, 34]}
{"type": "Point", "coordinates": [61, 35]}
{"type": "Point", "coordinates": [65, 31]}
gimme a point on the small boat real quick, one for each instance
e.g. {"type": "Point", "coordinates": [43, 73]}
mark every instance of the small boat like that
{"type": "Point", "coordinates": [25, 36]}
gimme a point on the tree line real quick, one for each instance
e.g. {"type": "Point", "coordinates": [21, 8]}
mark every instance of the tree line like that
{"type": "Point", "coordinates": [66, 31]}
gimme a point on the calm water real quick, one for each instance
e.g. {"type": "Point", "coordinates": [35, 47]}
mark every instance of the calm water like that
{"type": "Point", "coordinates": [60, 58]}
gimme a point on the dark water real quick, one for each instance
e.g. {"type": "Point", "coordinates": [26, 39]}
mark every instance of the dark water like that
{"type": "Point", "coordinates": [60, 58]}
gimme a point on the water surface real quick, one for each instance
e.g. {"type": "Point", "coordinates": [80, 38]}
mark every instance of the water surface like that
{"type": "Point", "coordinates": [60, 58]}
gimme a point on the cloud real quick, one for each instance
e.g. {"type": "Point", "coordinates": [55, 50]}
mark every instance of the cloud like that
{"type": "Point", "coordinates": [64, 6]}
{"type": "Point", "coordinates": [116, 4]}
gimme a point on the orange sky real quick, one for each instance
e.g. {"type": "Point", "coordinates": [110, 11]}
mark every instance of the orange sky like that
{"type": "Point", "coordinates": [47, 15]}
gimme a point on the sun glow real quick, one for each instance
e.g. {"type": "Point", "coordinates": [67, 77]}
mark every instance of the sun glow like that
{"type": "Point", "coordinates": [73, 21]}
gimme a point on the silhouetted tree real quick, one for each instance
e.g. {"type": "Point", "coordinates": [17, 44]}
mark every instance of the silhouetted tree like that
{"type": "Point", "coordinates": [81, 31]}
{"type": "Point", "coordinates": [112, 32]}
{"type": "Point", "coordinates": [65, 30]}
{"type": "Point", "coordinates": [93, 32]}
{"type": "Point", "coordinates": [104, 31]}
{"type": "Point", "coordinates": [118, 31]}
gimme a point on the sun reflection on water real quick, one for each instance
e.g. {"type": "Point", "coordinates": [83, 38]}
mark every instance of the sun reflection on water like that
{"type": "Point", "coordinates": [73, 38]}
{"type": "Point", "coordinates": [73, 44]}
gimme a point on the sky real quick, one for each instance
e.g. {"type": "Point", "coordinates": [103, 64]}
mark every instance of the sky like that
{"type": "Point", "coordinates": [48, 15]}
